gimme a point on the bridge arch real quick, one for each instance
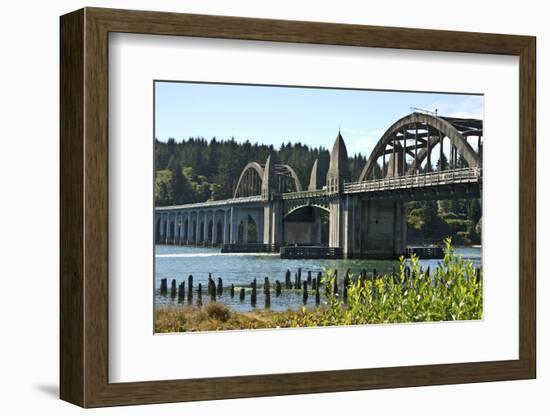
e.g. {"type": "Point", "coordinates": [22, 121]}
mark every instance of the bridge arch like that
{"type": "Point", "coordinates": [306, 225]}
{"type": "Point", "coordinates": [252, 177]}
{"type": "Point", "coordinates": [288, 180]}
{"type": "Point", "coordinates": [250, 180]}
{"type": "Point", "coordinates": [446, 126]}
{"type": "Point", "coordinates": [312, 204]}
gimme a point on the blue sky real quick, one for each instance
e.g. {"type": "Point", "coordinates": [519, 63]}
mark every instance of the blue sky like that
{"type": "Point", "coordinates": [273, 115]}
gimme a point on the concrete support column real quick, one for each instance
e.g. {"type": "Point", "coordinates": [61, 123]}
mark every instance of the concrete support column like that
{"type": "Point", "coordinates": [169, 229]}
{"type": "Point", "coordinates": [214, 227]}
{"type": "Point", "coordinates": [400, 228]}
{"type": "Point", "coordinates": [273, 222]}
{"type": "Point", "coordinates": [260, 225]}
{"type": "Point", "coordinates": [245, 228]}
{"type": "Point", "coordinates": [190, 236]}
{"type": "Point", "coordinates": [180, 228]}
{"type": "Point", "coordinates": [197, 227]}
{"type": "Point", "coordinates": [335, 228]}
{"type": "Point", "coordinates": [277, 236]}
{"type": "Point", "coordinates": [351, 226]}
{"type": "Point", "coordinates": [233, 226]}
{"type": "Point", "coordinates": [205, 226]}
{"type": "Point", "coordinates": [267, 224]}
{"type": "Point", "coordinates": [161, 230]}
{"type": "Point", "coordinates": [226, 230]}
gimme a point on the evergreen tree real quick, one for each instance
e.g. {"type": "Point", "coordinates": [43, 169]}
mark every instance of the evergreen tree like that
{"type": "Point", "coordinates": [181, 193]}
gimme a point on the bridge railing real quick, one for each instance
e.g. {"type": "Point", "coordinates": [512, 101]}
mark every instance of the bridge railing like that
{"type": "Point", "coordinates": [305, 194]}
{"type": "Point", "coordinates": [212, 203]}
{"type": "Point", "coordinates": [446, 177]}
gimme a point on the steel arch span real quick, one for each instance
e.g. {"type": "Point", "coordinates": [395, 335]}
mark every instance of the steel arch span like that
{"type": "Point", "coordinates": [250, 180]}
{"type": "Point", "coordinates": [437, 128]}
{"type": "Point", "coordinates": [253, 175]}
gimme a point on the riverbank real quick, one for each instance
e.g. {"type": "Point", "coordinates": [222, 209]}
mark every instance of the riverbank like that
{"type": "Point", "coordinates": [218, 317]}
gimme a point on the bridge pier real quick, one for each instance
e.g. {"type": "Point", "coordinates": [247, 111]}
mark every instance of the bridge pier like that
{"type": "Point", "coordinates": [351, 231]}
{"type": "Point", "coordinates": [273, 222]}
{"type": "Point", "coordinates": [383, 228]}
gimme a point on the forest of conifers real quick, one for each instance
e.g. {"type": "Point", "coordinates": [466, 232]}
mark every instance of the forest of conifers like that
{"type": "Point", "coordinates": [197, 169]}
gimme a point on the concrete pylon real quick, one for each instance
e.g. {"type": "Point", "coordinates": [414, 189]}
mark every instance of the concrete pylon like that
{"type": "Point", "coordinates": [338, 171]}
{"type": "Point", "coordinates": [273, 208]}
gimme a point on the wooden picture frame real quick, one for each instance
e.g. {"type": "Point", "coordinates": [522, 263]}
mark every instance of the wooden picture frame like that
{"type": "Point", "coordinates": [84, 207]}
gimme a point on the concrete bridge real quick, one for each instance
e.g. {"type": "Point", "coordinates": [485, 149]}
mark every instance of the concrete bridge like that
{"type": "Point", "coordinates": [362, 218]}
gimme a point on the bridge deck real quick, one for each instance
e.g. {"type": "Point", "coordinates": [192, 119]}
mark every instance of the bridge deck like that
{"type": "Point", "coordinates": [213, 204]}
{"type": "Point", "coordinates": [422, 180]}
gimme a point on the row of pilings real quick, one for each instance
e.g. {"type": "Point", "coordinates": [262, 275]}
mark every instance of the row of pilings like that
{"type": "Point", "coordinates": [306, 285]}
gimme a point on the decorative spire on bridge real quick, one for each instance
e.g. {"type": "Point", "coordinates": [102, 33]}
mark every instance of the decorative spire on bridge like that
{"type": "Point", "coordinates": [338, 171]}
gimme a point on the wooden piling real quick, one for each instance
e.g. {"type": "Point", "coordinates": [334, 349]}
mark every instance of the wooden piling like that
{"type": "Point", "coordinates": [173, 289]}
{"type": "Point", "coordinates": [314, 284]}
{"type": "Point", "coordinates": [211, 286]}
{"type": "Point", "coordinates": [304, 294]}
{"type": "Point", "coordinates": [163, 286]}
{"type": "Point", "coordinates": [277, 288]}
{"type": "Point", "coordinates": [190, 287]}
{"type": "Point", "coordinates": [288, 284]}
{"type": "Point", "coordinates": [181, 291]}
{"type": "Point", "coordinates": [232, 290]}
{"type": "Point", "coordinates": [199, 295]}
{"type": "Point", "coordinates": [220, 286]}
{"type": "Point", "coordinates": [309, 277]}
{"type": "Point", "coordinates": [266, 285]}
{"type": "Point", "coordinates": [254, 294]}
{"type": "Point", "coordinates": [267, 299]}
{"type": "Point", "coordinates": [319, 278]}
{"type": "Point", "coordinates": [241, 294]}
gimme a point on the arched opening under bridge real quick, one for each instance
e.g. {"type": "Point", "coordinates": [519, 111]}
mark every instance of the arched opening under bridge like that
{"type": "Point", "coordinates": [210, 231]}
{"type": "Point", "coordinates": [219, 232]}
{"type": "Point", "coordinates": [157, 230]}
{"type": "Point", "coordinates": [307, 225]}
{"type": "Point", "coordinates": [247, 232]}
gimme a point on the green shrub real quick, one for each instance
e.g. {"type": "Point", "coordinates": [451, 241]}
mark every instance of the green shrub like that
{"type": "Point", "coordinates": [453, 292]}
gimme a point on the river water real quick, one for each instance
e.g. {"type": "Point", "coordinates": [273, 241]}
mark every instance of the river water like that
{"type": "Point", "coordinates": [178, 262]}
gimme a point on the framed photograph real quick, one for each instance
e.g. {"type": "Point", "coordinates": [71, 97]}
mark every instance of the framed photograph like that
{"type": "Point", "coordinates": [255, 207]}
